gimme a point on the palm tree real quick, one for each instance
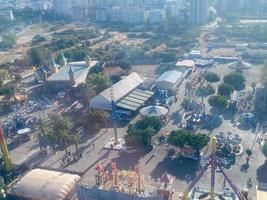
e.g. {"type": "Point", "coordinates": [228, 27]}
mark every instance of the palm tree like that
{"type": "Point", "coordinates": [201, 92]}
{"type": "Point", "coordinates": [63, 138]}
{"type": "Point", "coordinates": [249, 153]}
{"type": "Point", "coordinates": [41, 132]}
{"type": "Point", "coordinates": [188, 88]}
{"type": "Point", "coordinates": [75, 139]}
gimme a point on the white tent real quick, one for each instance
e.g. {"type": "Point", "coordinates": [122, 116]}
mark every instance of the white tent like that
{"type": "Point", "coordinates": [241, 65]}
{"type": "Point", "coordinates": [157, 111]}
{"type": "Point", "coordinates": [45, 184]}
{"type": "Point", "coordinates": [120, 89]}
{"type": "Point", "coordinates": [169, 80]}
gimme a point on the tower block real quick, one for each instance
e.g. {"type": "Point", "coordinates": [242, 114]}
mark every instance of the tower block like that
{"type": "Point", "coordinates": [5, 153]}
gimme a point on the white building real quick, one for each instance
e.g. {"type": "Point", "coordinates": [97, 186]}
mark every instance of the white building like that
{"type": "Point", "coordinates": [155, 16]}
{"type": "Point", "coordinates": [120, 90]}
{"type": "Point", "coordinates": [169, 80]}
{"type": "Point", "coordinates": [199, 11]}
{"type": "Point", "coordinates": [133, 15]}
{"type": "Point", "coordinates": [73, 8]}
{"type": "Point", "coordinates": [174, 9]}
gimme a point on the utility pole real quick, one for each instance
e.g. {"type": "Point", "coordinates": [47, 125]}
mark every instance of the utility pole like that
{"type": "Point", "coordinates": [113, 112]}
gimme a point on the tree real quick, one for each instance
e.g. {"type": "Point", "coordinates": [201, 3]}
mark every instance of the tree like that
{"type": "Point", "coordinates": [225, 89]}
{"type": "Point", "coordinates": [60, 123]}
{"type": "Point", "coordinates": [38, 38]}
{"type": "Point", "coordinates": [169, 57]}
{"type": "Point", "coordinates": [249, 153]}
{"type": "Point", "coordinates": [264, 149]}
{"type": "Point", "coordinates": [237, 80]}
{"type": "Point", "coordinates": [203, 91]}
{"type": "Point", "coordinates": [39, 55]}
{"type": "Point", "coordinates": [153, 122]}
{"type": "Point", "coordinates": [186, 103]}
{"type": "Point", "coordinates": [94, 119]}
{"type": "Point", "coordinates": [218, 102]}
{"type": "Point", "coordinates": [139, 135]}
{"type": "Point", "coordinates": [99, 81]}
{"type": "Point", "coordinates": [7, 91]}
{"type": "Point", "coordinates": [8, 41]}
{"type": "Point", "coordinates": [183, 138]}
{"type": "Point", "coordinates": [74, 139]}
{"type": "Point", "coordinates": [211, 77]}
{"type": "Point", "coordinates": [125, 65]}
{"type": "Point", "coordinates": [42, 128]}
{"type": "Point", "coordinates": [115, 78]}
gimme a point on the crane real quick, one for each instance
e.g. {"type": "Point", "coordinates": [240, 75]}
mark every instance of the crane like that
{"type": "Point", "coordinates": [214, 163]}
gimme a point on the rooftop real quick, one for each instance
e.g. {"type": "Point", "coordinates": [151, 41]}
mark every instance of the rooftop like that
{"type": "Point", "coordinates": [134, 99]}
{"type": "Point", "coordinates": [79, 69]}
{"type": "Point", "coordinates": [120, 90]}
{"type": "Point", "coordinates": [170, 76]}
{"type": "Point", "coordinates": [185, 63]}
{"type": "Point", "coordinates": [45, 184]}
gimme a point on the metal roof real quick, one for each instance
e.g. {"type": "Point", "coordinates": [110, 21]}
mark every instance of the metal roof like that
{"type": "Point", "coordinates": [120, 90]}
{"type": "Point", "coordinates": [135, 99]}
{"type": "Point", "coordinates": [170, 76]}
{"type": "Point", "coordinates": [78, 68]}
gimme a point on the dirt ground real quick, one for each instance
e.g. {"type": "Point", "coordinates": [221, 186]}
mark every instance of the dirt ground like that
{"type": "Point", "coordinates": [23, 43]}
{"type": "Point", "coordinates": [145, 70]}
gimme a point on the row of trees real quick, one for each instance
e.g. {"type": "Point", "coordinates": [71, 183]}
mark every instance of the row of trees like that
{"type": "Point", "coordinates": [232, 81]}
{"type": "Point", "coordinates": [58, 132]}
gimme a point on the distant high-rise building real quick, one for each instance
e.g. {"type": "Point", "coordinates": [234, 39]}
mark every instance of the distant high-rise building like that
{"type": "Point", "coordinates": [73, 8]}
{"type": "Point", "coordinates": [199, 11]}
{"type": "Point", "coordinates": [155, 16]}
{"type": "Point", "coordinates": [175, 9]}
{"type": "Point", "coordinates": [240, 5]}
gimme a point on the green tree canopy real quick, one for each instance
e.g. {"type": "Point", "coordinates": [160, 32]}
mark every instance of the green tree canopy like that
{"type": "Point", "coordinates": [125, 65]}
{"type": "Point", "coordinates": [183, 138]}
{"type": "Point", "coordinates": [94, 119]}
{"type": "Point", "coordinates": [153, 122]}
{"type": "Point", "coordinates": [218, 102]}
{"type": "Point", "coordinates": [264, 149]}
{"type": "Point", "coordinates": [248, 152]}
{"type": "Point", "coordinates": [39, 56]}
{"type": "Point", "coordinates": [38, 38]}
{"type": "Point", "coordinates": [7, 91]}
{"type": "Point", "coordinates": [61, 123]}
{"type": "Point", "coordinates": [99, 81]}
{"type": "Point", "coordinates": [140, 134]}
{"type": "Point", "coordinates": [115, 78]}
{"type": "Point", "coordinates": [211, 77]}
{"type": "Point", "coordinates": [225, 89]}
{"type": "Point", "coordinates": [186, 103]}
{"type": "Point", "coordinates": [237, 80]}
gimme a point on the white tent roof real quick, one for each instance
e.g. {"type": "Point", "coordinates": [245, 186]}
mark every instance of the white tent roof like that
{"type": "Point", "coordinates": [154, 111]}
{"type": "Point", "coordinates": [45, 184]}
{"type": "Point", "coordinates": [120, 89]}
{"type": "Point", "coordinates": [170, 76]}
{"type": "Point", "coordinates": [240, 65]}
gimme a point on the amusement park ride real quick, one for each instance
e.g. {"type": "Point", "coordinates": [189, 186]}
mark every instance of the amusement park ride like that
{"type": "Point", "coordinates": [135, 181]}
{"type": "Point", "coordinates": [214, 163]}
